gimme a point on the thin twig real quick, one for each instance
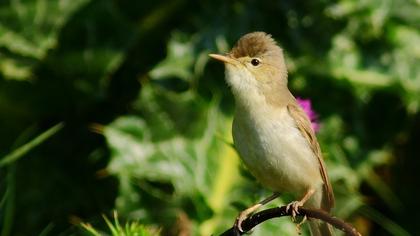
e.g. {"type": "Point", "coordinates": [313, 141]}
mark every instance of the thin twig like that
{"type": "Point", "coordinates": [264, 215]}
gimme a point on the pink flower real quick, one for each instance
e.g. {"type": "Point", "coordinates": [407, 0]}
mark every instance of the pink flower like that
{"type": "Point", "coordinates": [307, 107]}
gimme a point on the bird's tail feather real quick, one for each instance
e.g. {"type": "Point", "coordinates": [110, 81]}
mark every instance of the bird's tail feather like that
{"type": "Point", "coordinates": [319, 228]}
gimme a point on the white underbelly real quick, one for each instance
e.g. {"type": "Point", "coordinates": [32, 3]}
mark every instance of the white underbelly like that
{"type": "Point", "coordinates": [276, 153]}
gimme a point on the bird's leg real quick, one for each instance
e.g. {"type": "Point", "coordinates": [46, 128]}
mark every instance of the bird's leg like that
{"type": "Point", "coordinates": [296, 204]}
{"type": "Point", "coordinates": [245, 213]}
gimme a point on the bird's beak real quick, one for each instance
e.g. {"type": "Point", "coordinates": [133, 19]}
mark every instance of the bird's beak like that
{"type": "Point", "coordinates": [223, 58]}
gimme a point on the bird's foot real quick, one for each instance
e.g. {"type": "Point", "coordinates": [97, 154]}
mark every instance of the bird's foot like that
{"type": "Point", "coordinates": [244, 214]}
{"type": "Point", "coordinates": [294, 207]}
{"type": "Point", "coordinates": [238, 222]}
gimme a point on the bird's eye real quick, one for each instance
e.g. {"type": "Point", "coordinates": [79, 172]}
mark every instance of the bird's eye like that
{"type": "Point", "coordinates": [255, 62]}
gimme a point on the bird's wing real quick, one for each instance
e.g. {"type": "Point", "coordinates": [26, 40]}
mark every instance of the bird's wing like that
{"type": "Point", "coordinates": [304, 124]}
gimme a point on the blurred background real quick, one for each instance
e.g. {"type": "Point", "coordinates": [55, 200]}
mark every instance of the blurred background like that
{"type": "Point", "coordinates": [114, 105]}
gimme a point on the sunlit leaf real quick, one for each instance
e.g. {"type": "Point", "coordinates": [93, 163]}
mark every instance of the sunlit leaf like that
{"type": "Point", "coordinates": [179, 60]}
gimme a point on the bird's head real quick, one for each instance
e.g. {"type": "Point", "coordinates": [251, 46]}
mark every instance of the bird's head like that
{"type": "Point", "coordinates": [255, 66]}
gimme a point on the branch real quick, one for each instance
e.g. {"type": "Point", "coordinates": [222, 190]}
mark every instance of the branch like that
{"type": "Point", "coordinates": [264, 215]}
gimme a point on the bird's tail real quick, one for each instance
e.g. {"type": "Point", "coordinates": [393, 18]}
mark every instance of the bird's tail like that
{"type": "Point", "coordinates": [319, 228]}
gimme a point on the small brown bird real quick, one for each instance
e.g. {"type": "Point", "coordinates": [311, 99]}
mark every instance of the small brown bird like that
{"type": "Point", "coordinates": [271, 132]}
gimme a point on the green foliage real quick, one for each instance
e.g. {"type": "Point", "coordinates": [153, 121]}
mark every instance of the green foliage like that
{"type": "Point", "coordinates": [7, 202]}
{"type": "Point", "coordinates": [24, 47]}
{"type": "Point", "coordinates": [116, 229]}
{"type": "Point", "coordinates": [148, 116]}
{"type": "Point", "coordinates": [24, 149]}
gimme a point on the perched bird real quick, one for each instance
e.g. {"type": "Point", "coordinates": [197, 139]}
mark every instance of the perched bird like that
{"type": "Point", "coordinates": [271, 132]}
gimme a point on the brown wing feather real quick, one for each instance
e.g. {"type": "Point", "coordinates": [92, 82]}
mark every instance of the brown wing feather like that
{"type": "Point", "coordinates": [304, 125]}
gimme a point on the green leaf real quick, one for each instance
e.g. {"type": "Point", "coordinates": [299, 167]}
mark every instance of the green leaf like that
{"type": "Point", "coordinates": [179, 61]}
{"type": "Point", "coordinates": [113, 228]}
{"type": "Point", "coordinates": [24, 149]}
{"type": "Point", "coordinates": [28, 30]}
{"type": "Point", "coordinates": [181, 148]}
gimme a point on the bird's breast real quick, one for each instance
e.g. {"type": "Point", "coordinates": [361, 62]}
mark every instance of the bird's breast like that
{"type": "Point", "coordinates": [274, 150]}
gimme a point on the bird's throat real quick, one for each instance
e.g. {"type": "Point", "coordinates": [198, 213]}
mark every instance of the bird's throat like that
{"type": "Point", "coordinates": [257, 101]}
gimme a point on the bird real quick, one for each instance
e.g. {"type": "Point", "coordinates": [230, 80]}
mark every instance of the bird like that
{"type": "Point", "coordinates": [271, 132]}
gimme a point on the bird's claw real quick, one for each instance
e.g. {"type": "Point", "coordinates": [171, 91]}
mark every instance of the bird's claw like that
{"type": "Point", "coordinates": [238, 222]}
{"type": "Point", "coordinates": [294, 207]}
